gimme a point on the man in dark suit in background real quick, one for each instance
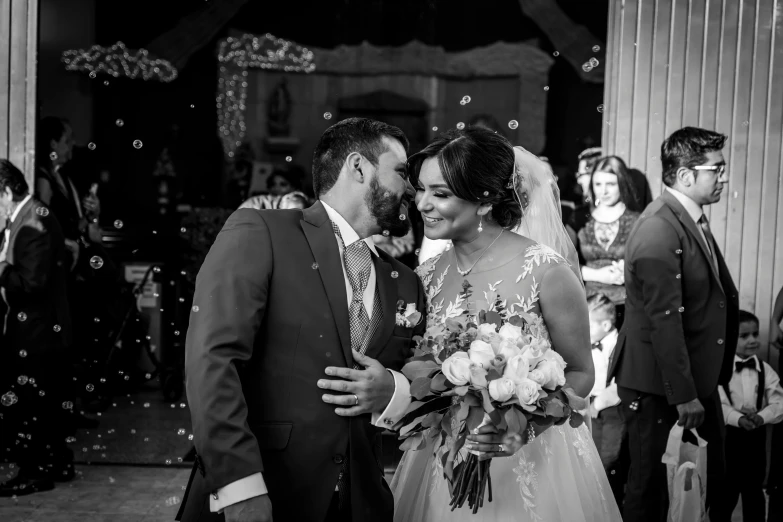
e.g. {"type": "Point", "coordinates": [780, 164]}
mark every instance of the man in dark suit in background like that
{"type": "Point", "coordinates": [285, 302]}
{"type": "Point", "coordinates": [37, 329]}
{"type": "Point", "coordinates": [681, 323]}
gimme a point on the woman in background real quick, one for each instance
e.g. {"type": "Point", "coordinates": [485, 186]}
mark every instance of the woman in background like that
{"type": "Point", "coordinates": [601, 240]}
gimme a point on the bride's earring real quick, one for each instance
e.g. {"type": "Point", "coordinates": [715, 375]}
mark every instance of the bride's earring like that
{"type": "Point", "coordinates": [480, 228]}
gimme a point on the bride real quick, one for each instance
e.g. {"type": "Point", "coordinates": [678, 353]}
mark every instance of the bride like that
{"type": "Point", "coordinates": [499, 206]}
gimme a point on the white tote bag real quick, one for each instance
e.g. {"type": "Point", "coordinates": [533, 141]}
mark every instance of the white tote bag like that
{"type": "Point", "coordinates": [686, 472]}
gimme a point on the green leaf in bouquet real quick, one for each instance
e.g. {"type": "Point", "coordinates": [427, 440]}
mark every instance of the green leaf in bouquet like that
{"type": "Point", "coordinates": [432, 419]}
{"type": "Point", "coordinates": [420, 387]}
{"type": "Point", "coordinates": [575, 401]}
{"type": "Point", "coordinates": [493, 318]}
{"type": "Point", "coordinates": [554, 408]}
{"type": "Point", "coordinates": [475, 417]}
{"type": "Point", "coordinates": [576, 419]}
{"type": "Point", "coordinates": [439, 383]}
{"type": "Point", "coordinates": [419, 368]}
{"type": "Point", "coordinates": [461, 390]}
{"type": "Point", "coordinates": [414, 442]}
{"type": "Point", "coordinates": [412, 427]}
{"type": "Point", "coordinates": [493, 373]}
{"type": "Point", "coordinates": [445, 423]}
{"type": "Point", "coordinates": [516, 420]}
{"type": "Point", "coordinates": [515, 320]}
{"type": "Point", "coordinates": [462, 412]}
{"type": "Point", "coordinates": [417, 339]}
{"type": "Point", "coordinates": [482, 316]}
{"type": "Point", "coordinates": [472, 399]}
{"type": "Point", "coordinates": [512, 401]}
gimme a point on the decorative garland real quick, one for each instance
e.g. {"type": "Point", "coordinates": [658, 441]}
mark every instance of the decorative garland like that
{"type": "Point", "coordinates": [236, 56]}
{"type": "Point", "coordinates": [117, 61]}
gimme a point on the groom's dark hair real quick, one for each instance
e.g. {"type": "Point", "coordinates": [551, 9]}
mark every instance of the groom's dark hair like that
{"type": "Point", "coordinates": [360, 135]}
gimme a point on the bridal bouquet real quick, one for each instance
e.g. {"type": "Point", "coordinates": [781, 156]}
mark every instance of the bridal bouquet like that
{"type": "Point", "coordinates": [497, 369]}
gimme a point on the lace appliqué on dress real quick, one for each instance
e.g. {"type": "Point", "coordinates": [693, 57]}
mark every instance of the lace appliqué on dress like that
{"type": "Point", "coordinates": [583, 450]}
{"type": "Point", "coordinates": [537, 254]}
{"type": "Point", "coordinates": [527, 477]}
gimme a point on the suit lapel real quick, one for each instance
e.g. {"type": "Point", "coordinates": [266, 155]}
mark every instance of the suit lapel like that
{"type": "Point", "coordinates": [387, 290]}
{"type": "Point", "coordinates": [693, 228]}
{"type": "Point", "coordinates": [320, 235]}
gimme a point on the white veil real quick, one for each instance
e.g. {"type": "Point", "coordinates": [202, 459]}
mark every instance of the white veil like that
{"type": "Point", "coordinates": [537, 193]}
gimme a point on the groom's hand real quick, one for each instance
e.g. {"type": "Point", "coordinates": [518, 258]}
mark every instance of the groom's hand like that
{"type": "Point", "coordinates": [254, 509]}
{"type": "Point", "coordinates": [373, 387]}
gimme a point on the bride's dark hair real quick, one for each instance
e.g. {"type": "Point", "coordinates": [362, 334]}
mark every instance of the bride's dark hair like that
{"type": "Point", "coordinates": [477, 165]}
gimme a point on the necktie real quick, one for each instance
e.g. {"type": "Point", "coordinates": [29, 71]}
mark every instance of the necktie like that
{"type": "Point", "coordinates": [747, 363]}
{"type": "Point", "coordinates": [358, 263]}
{"type": "Point", "coordinates": [705, 228]}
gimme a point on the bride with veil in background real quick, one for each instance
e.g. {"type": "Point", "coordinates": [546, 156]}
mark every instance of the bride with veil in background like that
{"type": "Point", "coordinates": [499, 206]}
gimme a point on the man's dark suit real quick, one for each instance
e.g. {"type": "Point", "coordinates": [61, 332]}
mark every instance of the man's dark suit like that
{"type": "Point", "coordinates": [37, 332]}
{"type": "Point", "coordinates": [272, 315]}
{"type": "Point", "coordinates": [677, 344]}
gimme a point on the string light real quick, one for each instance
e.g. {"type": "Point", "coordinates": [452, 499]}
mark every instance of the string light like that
{"type": "Point", "coordinates": [118, 61]}
{"type": "Point", "coordinates": [236, 56]}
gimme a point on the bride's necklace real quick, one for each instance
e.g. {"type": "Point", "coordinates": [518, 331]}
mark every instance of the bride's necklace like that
{"type": "Point", "coordinates": [466, 272]}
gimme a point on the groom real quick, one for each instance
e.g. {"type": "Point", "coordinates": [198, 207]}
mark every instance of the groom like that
{"type": "Point", "coordinates": [294, 324]}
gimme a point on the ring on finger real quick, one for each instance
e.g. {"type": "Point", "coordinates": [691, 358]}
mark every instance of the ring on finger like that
{"type": "Point", "coordinates": [356, 400]}
{"type": "Point", "coordinates": [501, 448]}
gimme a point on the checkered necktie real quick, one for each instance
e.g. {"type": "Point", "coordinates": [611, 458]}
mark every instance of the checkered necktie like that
{"type": "Point", "coordinates": [358, 263]}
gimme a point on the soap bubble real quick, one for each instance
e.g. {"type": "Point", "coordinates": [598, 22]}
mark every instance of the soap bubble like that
{"type": "Point", "coordinates": [21, 316]}
{"type": "Point", "coordinates": [90, 387]}
{"type": "Point", "coordinates": [91, 146]}
{"type": "Point", "coordinates": [434, 129]}
{"type": "Point", "coordinates": [8, 399]}
{"type": "Point", "coordinates": [118, 224]}
{"type": "Point", "coordinates": [600, 108]}
{"type": "Point", "coordinates": [465, 100]}
{"type": "Point", "coordinates": [93, 74]}
{"type": "Point", "coordinates": [119, 123]}
{"type": "Point", "coordinates": [513, 124]}
{"type": "Point", "coordinates": [596, 48]}
{"type": "Point", "coordinates": [52, 155]}
{"type": "Point", "coordinates": [289, 159]}
{"type": "Point", "coordinates": [460, 125]}
{"type": "Point", "coordinates": [327, 115]}
{"type": "Point", "coordinates": [22, 379]}
{"type": "Point", "coordinates": [42, 211]}
{"type": "Point", "coordinates": [137, 144]}
{"type": "Point", "coordinates": [96, 262]}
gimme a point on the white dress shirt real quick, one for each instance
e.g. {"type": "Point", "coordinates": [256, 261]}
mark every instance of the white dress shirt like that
{"type": "Point", "coordinates": [254, 485]}
{"type": "Point", "coordinates": [604, 396]}
{"type": "Point", "coordinates": [7, 232]}
{"type": "Point", "coordinates": [743, 387]}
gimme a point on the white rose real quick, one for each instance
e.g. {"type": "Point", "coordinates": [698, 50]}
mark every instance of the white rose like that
{"type": "Point", "coordinates": [410, 309]}
{"type": "Point", "coordinates": [538, 377]}
{"type": "Point", "coordinates": [502, 389]}
{"type": "Point", "coordinates": [457, 369]}
{"type": "Point", "coordinates": [510, 332]}
{"type": "Point", "coordinates": [481, 353]}
{"type": "Point", "coordinates": [485, 331]}
{"type": "Point", "coordinates": [516, 369]}
{"type": "Point", "coordinates": [508, 349]}
{"type": "Point", "coordinates": [556, 358]}
{"type": "Point", "coordinates": [552, 373]}
{"type": "Point", "coordinates": [478, 376]}
{"type": "Point", "coordinates": [527, 392]}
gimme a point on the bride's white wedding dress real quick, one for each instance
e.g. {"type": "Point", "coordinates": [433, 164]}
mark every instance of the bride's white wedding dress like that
{"type": "Point", "coordinates": [557, 477]}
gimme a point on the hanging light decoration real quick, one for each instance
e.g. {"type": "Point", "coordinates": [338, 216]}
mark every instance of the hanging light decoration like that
{"type": "Point", "coordinates": [118, 61]}
{"type": "Point", "coordinates": [236, 56]}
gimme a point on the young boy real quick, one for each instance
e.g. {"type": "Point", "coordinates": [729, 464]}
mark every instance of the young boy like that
{"type": "Point", "coordinates": [608, 425]}
{"type": "Point", "coordinates": [754, 399]}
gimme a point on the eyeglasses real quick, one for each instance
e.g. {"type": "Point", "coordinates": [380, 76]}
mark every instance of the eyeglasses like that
{"type": "Point", "coordinates": [720, 169]}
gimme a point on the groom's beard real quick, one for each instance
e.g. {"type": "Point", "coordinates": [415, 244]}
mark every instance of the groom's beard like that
{"type": "Point", "coordinates": [386, 209]}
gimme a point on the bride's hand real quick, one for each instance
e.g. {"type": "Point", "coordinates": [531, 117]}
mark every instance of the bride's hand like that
{"type": "Point", "coordinates": [491, 443]}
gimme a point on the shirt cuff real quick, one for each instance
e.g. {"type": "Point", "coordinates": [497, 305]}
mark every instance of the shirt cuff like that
{"type": "Point", "coordinates": [242, 489]}
{"type": "Point", "coordinates": [398, 404]}
{"type": "Point", "coordinates": [767, 415]}
{"type": "Point", "coordinates": [733, 417]}
{"type": "Point", "coordinates": [607, 398]}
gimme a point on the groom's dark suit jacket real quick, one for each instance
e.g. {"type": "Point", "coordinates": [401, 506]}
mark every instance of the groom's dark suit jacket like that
{"type": "Point", "coordinates": [681, 312]}
{"type": "Point", "coordinates": [270, 314]}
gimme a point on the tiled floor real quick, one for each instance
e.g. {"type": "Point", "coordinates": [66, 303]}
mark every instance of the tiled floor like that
{"type": "Point", "coordinates": [112, 494]}
{"type": "Point", "coordinates": [104, 493]}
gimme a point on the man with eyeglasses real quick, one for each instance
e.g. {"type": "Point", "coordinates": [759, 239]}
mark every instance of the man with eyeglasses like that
{"type": "Point", "coordinates": [681, 323]}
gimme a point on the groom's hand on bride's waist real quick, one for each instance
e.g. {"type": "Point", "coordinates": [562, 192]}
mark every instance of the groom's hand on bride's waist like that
{"type": "Point", "coordinates": [372, 387]}
{"type": "Point", "coordinates": [254, 509]}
